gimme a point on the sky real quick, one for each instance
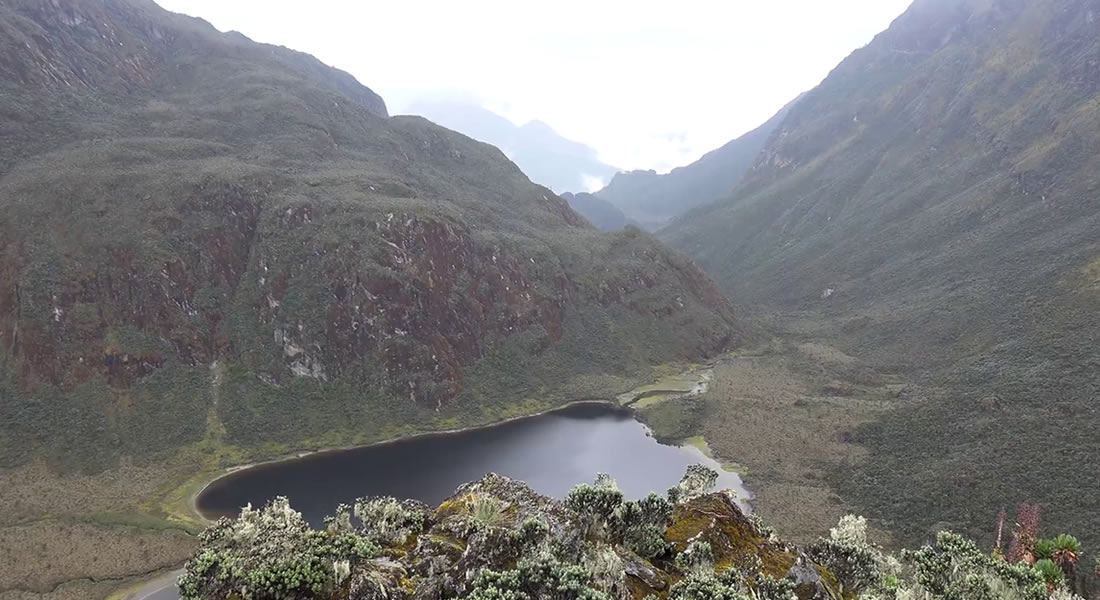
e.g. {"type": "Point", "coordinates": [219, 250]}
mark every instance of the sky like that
{"type": "Point", "coordinates": [648, 84]}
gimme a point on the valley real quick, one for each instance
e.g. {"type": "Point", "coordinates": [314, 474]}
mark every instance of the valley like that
{"type": "Point", "coordinates": [776, 415]}
{"type": "Point", "coordinates": [229, 274]}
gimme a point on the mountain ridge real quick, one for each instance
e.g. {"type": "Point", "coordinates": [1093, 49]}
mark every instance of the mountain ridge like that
{"type": "Point", "coordinates": [202, 233]}
{"type": "Point", "coordinates": [931, 207]}
{"type": "Point", "coordinates": [653, 199]}
{"type": "Point", "coordinates": [546, 156]}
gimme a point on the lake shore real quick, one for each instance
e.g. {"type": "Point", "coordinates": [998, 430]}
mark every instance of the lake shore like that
{"type": "Point", "coordinates": [204, 483]}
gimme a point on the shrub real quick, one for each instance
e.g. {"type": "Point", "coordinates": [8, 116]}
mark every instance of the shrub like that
{"type": "Point", "coordinates": [271, 553]}
{"type": "Point", "coordinates": [640, 525]}
{"type": "Point", "coordinates": [595, 504]}
{"type": "Point", "coordinates": [487, 511]}
{"type": "Point", "coordinates": [697, 558]}
{"type": "Point", "coordinates": [541, 579]}
{"type": "Point", "coordinates": [698, 480]}
{"type": "Point", "coordinates": [1050, 572]}
{"type": "Point", "coordinates": [846, 553]}
{"type": "Point", "coordinates": [707, 587]}
{"type": "Point", "coordinates": [954, 567]}
{"type": "Point", "coordinates": [389, 521]}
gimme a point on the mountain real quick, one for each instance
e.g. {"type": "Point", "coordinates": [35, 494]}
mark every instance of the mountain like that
{"type": "Point", "coordinates": [202, 237]}
{"type": "Point", "coordinates": [652, 200]}
{"type": "Point", "coordinates": [545, 156]}
{"type": "Point", "coordinates": [934, 207]}
{"type": "Point", "coordinates": [599, 212]}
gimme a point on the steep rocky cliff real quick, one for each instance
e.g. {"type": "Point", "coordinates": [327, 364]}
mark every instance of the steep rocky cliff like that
{"type": "Point", "coordinates": [934, 206]}
{"type": "Point", "coordinates": [200, 232]}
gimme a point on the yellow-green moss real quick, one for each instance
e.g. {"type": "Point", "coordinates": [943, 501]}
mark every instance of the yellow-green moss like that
{"type": "Point", "coordinates": [732, 537]}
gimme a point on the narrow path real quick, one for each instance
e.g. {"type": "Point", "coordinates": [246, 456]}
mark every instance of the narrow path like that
{"type": "Point", "coordinates": [161, 588]}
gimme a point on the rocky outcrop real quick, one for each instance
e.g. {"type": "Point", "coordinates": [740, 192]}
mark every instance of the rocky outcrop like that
{"type": "Point", "coordinates": [497, 536]}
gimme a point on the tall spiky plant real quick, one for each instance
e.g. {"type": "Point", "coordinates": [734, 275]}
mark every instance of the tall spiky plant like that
{"type": "Point", "coordinates": [998, 545]}
{"type": "Point", "coordinates": [1024, 535]}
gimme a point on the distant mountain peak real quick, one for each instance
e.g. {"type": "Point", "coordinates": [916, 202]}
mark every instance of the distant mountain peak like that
{"type": "Point", "coordinates": [546, 157]}
{"type": "Point", "coordinates": [652, 200]}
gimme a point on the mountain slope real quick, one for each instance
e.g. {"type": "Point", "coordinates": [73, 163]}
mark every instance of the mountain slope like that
{"type": "Point", "coordinates": [201, 235]}
{"type": "Point", "coordinates": [653, 200]}
{"type": "Point", "coordinates": [544, 155]}
{"type": "Point", "coordinates": [599, 212]}
{"type": "Point", "coordinates": [935, 206]}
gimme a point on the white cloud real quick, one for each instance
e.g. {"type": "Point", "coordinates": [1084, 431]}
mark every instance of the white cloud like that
{"type": "Point", "coordinates": [593, 183]}
{"type": "Point", "coordinates": [620, 75]}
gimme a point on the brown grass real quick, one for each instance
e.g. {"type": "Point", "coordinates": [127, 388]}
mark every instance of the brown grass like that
{"type": "Point", "coordinates": [770, 415]}
{"type": "Point", "coordinates": [59, 532]}
{"type": "Point", "coordinates": [34, 490]}
{"type": "Point", "coordinates": [83, 589]}
{"type": "Point", "coordinates": [1092, 272]}
{"type": "Point", "coordinates": [43, 555]}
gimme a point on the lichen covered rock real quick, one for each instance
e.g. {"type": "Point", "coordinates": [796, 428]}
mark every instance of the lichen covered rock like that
{"type": "Point", "coordinates": [497, 539]}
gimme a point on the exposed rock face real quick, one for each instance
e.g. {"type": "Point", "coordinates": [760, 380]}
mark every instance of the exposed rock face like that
{"type": "Point", "coordinates": [173, 198]}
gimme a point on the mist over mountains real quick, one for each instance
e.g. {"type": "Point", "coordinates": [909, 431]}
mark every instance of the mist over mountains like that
{"type": "Point", "coordinates": [652, 200]}
{"type": "Point", "coordinates": [885, 300]}
{"type": "Point", "coordinates": [545, 156]}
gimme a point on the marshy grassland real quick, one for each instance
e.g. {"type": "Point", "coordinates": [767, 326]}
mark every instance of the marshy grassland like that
{"type": "Point", "coordinates": [784, 417]}
{"type": "Point", "coordinates": [68, 534]}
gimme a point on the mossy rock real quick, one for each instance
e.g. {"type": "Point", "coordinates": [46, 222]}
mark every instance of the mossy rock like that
{"type": "Point", "coordinates": [715, 518]}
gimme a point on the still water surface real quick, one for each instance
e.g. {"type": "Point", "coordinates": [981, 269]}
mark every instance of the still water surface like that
{"type": "Point", "coordinates": [551, 452]}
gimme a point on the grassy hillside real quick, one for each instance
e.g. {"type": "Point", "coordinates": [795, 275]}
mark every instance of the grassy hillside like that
{"type": "Point", "coordinates": [598, 211]}
{"type": "Point", "coordinates": [199, 227]}
{"type": "Point", "coordinates": [933, 207]}
{"type": "Point", "coordinates": [213, 250]}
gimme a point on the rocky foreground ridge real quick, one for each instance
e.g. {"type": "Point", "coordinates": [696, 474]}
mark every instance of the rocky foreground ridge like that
{"type": "Point", "coordinates": [496, 539]}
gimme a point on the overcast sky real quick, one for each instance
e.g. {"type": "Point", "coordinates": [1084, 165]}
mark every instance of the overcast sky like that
{"type": "Point", "coordinates": [648, 84]}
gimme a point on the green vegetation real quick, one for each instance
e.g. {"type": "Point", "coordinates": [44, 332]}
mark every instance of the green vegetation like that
{"type": "Point", "coordinates": [931, 209]}
{"type": "Point", "coordinates": [537, 548]}
{"type": "Point", "coordinates": [251, 238]}
{"type": "Point", "coordinates": [214, 252]}
{"type": "Point", "coordinates": [273, 553]}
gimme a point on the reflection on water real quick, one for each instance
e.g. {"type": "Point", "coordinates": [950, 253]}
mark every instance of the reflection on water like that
{"type": "Point", "coordinates": [551, 452]}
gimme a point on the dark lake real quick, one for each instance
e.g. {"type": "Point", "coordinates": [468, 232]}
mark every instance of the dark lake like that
{"type": "Point", "coordinates": [551, 452]}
